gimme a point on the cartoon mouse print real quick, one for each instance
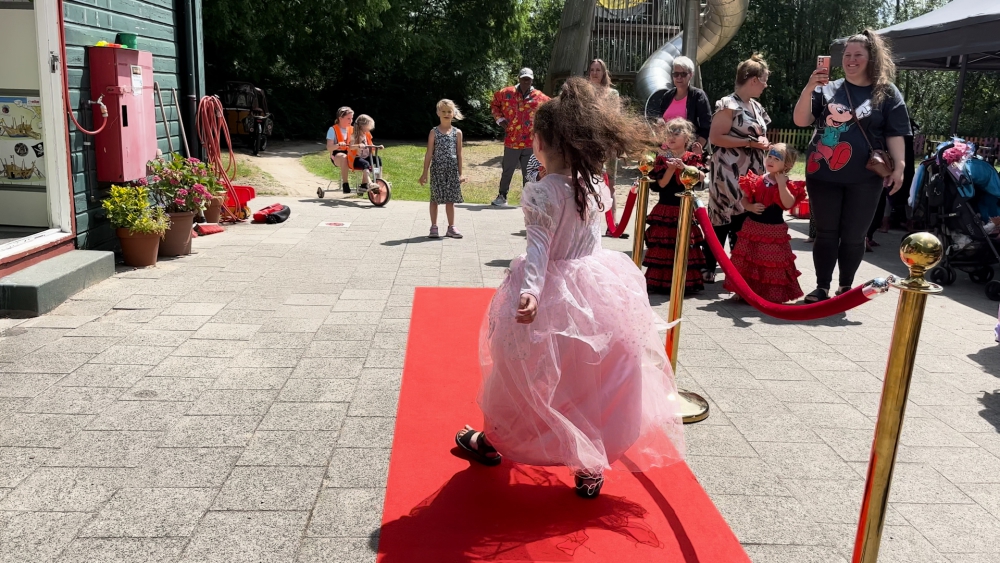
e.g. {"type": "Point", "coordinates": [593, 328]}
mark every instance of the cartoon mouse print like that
{"type": "Point", "coordinates": [830, 148]}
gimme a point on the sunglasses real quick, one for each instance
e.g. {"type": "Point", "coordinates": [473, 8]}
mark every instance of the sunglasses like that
{"type": "Point", "coordinates": [681, 74]}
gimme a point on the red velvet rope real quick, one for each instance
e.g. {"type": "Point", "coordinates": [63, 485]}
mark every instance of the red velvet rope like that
{"type": "Point", "coordinates": [618, 230]}
{"type": "Point", "coordinates": [832, 306]}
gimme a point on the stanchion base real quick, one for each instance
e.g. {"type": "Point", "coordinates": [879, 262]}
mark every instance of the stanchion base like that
{"type": "Point", "coordinates": [694, 407]}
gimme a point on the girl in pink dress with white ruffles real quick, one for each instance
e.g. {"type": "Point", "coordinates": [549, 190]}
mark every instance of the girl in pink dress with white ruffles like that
{"type": "Point", "coordinates": [574, 370]}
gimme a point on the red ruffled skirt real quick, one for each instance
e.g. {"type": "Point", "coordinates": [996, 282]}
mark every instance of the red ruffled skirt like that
{"type": "Point", "coordinates": [661, 239]}
{"type": "Point", "coordinates": [763, 255]}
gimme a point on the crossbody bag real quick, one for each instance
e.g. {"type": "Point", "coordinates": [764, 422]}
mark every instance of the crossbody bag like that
{"type": "Point", "coordinates": [879, 161]}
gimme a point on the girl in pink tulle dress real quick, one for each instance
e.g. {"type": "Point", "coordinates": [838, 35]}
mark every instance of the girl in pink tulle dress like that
{"type": "Point", "coordinates": [574, 371]}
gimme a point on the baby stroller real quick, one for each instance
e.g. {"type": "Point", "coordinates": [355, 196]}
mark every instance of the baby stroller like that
{"type": "Point", "coordinates": [951, 201]}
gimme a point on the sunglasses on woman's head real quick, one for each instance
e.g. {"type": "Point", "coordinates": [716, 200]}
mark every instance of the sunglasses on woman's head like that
{"type": "Point", "coordinates": [681, 74]}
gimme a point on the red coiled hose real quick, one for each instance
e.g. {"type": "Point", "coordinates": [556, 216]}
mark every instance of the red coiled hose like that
{"type": "Point", "coordinates": [211, 125]}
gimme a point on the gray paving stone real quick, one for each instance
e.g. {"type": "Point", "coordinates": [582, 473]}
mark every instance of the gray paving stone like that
{"type": "Point", "coordinates": [353, 318]}
{"type": "Point", "coordinates": [246, 537]}
{"type": "Point", "coordinates": [79, 345]}
{"type": "Point", "coordinates": [954, 528]}
{"type": "Point", "coordinates": [122, 550]}
{"type": "Point", "coordinates": [283, 358]}
{"type": "Point", "coordinates": [270, 488]}
{"type": "Point", "coordinates": [58, 321]}
{"type": "Point", "coordinates": [793, 554]}
{"type": "Point", "coordinates": [958, 465]}
{"type": "Point", "coordinates": [133, 355]}
{"type": "Point", "coordinates": [28, 385]}
{"type": "Point", "coordinates": [304, 416]}
{"type": "Point", "coordinates": [758, 401]}
{"type": "Point", "coordinates": [390, 341]}
{"type": "Point", "coordinates": [346, 513]}
{"type": "Point", "coordinates": [777, 427]}
{"type": "Point", "coordinates": [366, 432]}
{"type": "Point", "coordinates": [233, 401]}
{"type": "Point", "coordinates": [9, 406]}
{"type": "Point", "coordinates": [18, 463]}
{"type": "Point", "coordinates": [736, 476]}
{"type": "Point", "coordinates": [171, 338]}
{"type": "Point", "coordinates": [211, 431]}
{"type": "Point", "coordinates": [183, 323]}
{"type": "Point", "coordinates": [768, 519]}
{"type": "Point", "coordinates": [224, 331]}
{"type": "Point", "coordinates": [182, 366]}
{"type": "Point", "coordinates": [37, 537]}
{"type": "Point", "coordinates": [358, 467]}
{"type": "Point", "coordinates": [181, 389]}
{"type": "Point", "coordinates": [150, 513]}
{"type": "Point", "coordinates": [323, 368]}
{"type": "Point", "coordinates": [211, 349]}
{"type": "Point", "coordinates": [104, 375]}
{"type": "Point", "coordinates": [193, 309]}
{"type": "Point", "coordinates": [341, 349]}
{"type": "Point", "coordinates": [40, 430]}
{"type": "Point", "coordinates": [831, 415]}
{"type": "Point", "coordinates": [252, 378]}
{"type": "Point", "coordinates": [385, 359]}
{"type": "Point", "coordinates": [148, 416]}
{"type": "Point", "coordinates": [101, 448]}
{"type": "Point", "coordinates": [318, 390]}
{"type": "Point", "coordinates": [291, 448]}
{"type": "Point", "coordinates": [340, 550]}
{"type": "Point", "coordinates": [343, 332]}
{"type": "Point", "coordinates": [184, 468]}
{"type": "Point", "coordinates": [802, 392]}
{"type": "Point", "coordinates": [803, 461]}
{"type": "Point", "coordinates": [850, 444]}
{"type": "Point", "coordinates": [65, 489]}
{"type": "Point", "coordinates": [280, 340]}
{"type": "Point", "coordinates": [930, 432]}
{"type": "Point", "coordinates": [73, 400]}
{"type": "Point", "coordinates": [374, 401]}
{"type": "Point", "coordinates": [46, 362]}
{"type": "Point", "coordinates": [302, 325]}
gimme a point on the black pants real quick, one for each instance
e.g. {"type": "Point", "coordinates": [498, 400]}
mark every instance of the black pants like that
{"type": "Point", "coordinates": [722, 232]}
{"type": "Point", "coordinates": [879, 214]}
{"type": "Point", "coordinates": [843, 213]}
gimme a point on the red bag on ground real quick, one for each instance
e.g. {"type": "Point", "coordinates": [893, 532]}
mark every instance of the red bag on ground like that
{"type": "Point", "coordinates": [261, 216]}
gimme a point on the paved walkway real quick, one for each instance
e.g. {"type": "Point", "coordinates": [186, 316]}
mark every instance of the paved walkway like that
{"type": "Point", "coordinates": [237, 404]}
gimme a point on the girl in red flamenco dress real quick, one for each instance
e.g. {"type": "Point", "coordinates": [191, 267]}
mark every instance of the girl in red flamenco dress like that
{"type": "Point", "coordinates": [661, 236]}
{"type": "Point", "coordinates": [763, 253]}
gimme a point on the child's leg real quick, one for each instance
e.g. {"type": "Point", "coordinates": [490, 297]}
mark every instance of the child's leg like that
{"type": "Point", "coordinates": [434, 214]}
{"type": "Point", "coordinates": [449, 210]}
{"type": "Point", "coordinates": [341, 161]}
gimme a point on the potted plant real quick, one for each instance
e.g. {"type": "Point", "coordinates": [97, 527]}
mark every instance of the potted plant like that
{"type": "Point", "coordinates": [178, 185]}
{"type": "Point", "coordinates": [139, 226]}
{"type": "Point", "coordinates": [213, 212]}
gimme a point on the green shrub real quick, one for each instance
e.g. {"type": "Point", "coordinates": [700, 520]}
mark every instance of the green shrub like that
{"type": "Point", "coordinates": [128, 208]}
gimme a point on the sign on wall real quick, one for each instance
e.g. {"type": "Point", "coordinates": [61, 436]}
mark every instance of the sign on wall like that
{"type": "Point", "coordinates": [22, 150]}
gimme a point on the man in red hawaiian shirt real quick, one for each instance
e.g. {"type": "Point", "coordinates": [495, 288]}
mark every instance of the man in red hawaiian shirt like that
{"type": "Point", "coordinates": [514, 109]}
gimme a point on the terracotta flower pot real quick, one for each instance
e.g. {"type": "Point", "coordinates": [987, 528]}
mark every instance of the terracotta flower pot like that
{"type": "Point", "coordinates": [139, 250]}
{"type": "Point", "coordinates": [214, 211]}
{"type": "Point", "coordinates": [177, 241]}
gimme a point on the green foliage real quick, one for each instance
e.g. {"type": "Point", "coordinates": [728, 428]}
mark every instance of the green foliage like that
{"type": "Point", "coordinates": [391, 60]}
{"type": "Point", "coordinates": [182, 184]}
{"type": "Point", "coordinates": [128, 208]}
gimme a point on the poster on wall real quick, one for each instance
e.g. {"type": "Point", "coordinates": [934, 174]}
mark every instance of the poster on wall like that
{"type": "Point", "coordinates": [22, 151]}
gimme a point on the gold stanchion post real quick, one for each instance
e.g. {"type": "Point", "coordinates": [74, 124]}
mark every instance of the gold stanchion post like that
{"type": "Point", "coordinates": [920, 252]}
{"type": "Point", "coordinates": [641, 203]}
{"type": "Point", "coordinates": [694, 407]}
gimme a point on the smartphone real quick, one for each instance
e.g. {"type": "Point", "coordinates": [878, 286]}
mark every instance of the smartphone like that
{"type": "Point", "coordinates": [823, 63]}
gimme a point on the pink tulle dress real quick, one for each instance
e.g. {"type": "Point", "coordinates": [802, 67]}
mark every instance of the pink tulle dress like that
{"type": "Point", "coordinates": [588, 382]}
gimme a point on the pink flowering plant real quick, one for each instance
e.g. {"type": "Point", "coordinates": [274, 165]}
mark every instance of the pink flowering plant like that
{"type": "Point", "coordinates": [181, 184]}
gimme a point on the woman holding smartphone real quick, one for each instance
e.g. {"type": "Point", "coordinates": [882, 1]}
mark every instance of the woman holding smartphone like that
{"type": "Point", "coordinates": [853, 116]}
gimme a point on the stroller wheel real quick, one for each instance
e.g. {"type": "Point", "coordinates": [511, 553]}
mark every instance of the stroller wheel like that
{"type": "Point", "coordinates": [982, 275]}
{"type": "Point", "coordinates": [993, 290]}
{"type": "Point", "coordinates": [939, 275]}
{"type": "Point", "coordinates": [952, 275]}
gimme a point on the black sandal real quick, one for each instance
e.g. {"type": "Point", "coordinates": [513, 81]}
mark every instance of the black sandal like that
{"type": "Point", "coordinates": [484, 453]}
{"type": "Point", "coordinates": [588, 486]}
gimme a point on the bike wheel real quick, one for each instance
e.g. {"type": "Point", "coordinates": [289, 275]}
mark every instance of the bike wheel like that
{"type": "Point", "coordinates": [380, 193]}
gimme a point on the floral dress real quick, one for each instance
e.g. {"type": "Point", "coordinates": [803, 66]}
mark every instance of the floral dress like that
{"type": "Point", "coordinates": [446, 186]}
{"type": "Point", "coordinates": [731, 163]}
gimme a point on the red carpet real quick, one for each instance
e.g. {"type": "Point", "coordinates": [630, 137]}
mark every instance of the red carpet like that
{"type": "Point", "coordinates": [440, 508]}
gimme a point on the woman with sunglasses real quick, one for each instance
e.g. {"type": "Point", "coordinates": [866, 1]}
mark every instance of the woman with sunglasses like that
{"type": "Point", "coordinates": [738, 132]}
{"type": "Point", "coordinates": [684, 100]}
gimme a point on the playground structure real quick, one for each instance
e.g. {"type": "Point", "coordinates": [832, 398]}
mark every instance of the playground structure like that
{"type": "Point", "coordinates": [639, 39]}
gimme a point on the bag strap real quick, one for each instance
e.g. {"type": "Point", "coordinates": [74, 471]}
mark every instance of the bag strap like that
{"type": "Point", "coordinates": [855, 115]}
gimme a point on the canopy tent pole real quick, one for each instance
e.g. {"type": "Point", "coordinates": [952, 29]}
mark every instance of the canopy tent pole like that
{"type": "Point", "coordinates": [958, 95]}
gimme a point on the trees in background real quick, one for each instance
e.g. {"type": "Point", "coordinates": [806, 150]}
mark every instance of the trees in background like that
{"type": "Point", "coordinates": [394, 59]}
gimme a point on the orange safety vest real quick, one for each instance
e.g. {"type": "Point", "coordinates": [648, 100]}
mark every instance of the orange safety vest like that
{"type": "Point", "coordinates": [342, 142]}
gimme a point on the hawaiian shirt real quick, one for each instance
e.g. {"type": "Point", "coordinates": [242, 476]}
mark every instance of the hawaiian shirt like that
{"type": "Point", "coordinates": [519, 111]}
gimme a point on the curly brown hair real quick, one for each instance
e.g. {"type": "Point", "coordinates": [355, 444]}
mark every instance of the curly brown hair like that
{"type": "Point", "coordinates": [588, 129]}
{"type": "Point", "coordinates": [881, 69]}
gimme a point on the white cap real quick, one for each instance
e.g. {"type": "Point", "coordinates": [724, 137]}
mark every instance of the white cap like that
{"type": "Point", "coordinates": [526, 72]}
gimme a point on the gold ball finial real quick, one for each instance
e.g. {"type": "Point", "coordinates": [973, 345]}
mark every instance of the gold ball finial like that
{"type": "Point", "coordinates": [645, 164]}
{"type": "Point", "coordinates": [920, 252]}
{"type": "Point", "coordinates": [690, 176]}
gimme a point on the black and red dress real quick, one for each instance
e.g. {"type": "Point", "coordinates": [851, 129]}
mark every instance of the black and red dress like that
{"type": "Point", "coordinates": [763, 253]}
{"type": "Point", "coordinates": [661, 235]}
